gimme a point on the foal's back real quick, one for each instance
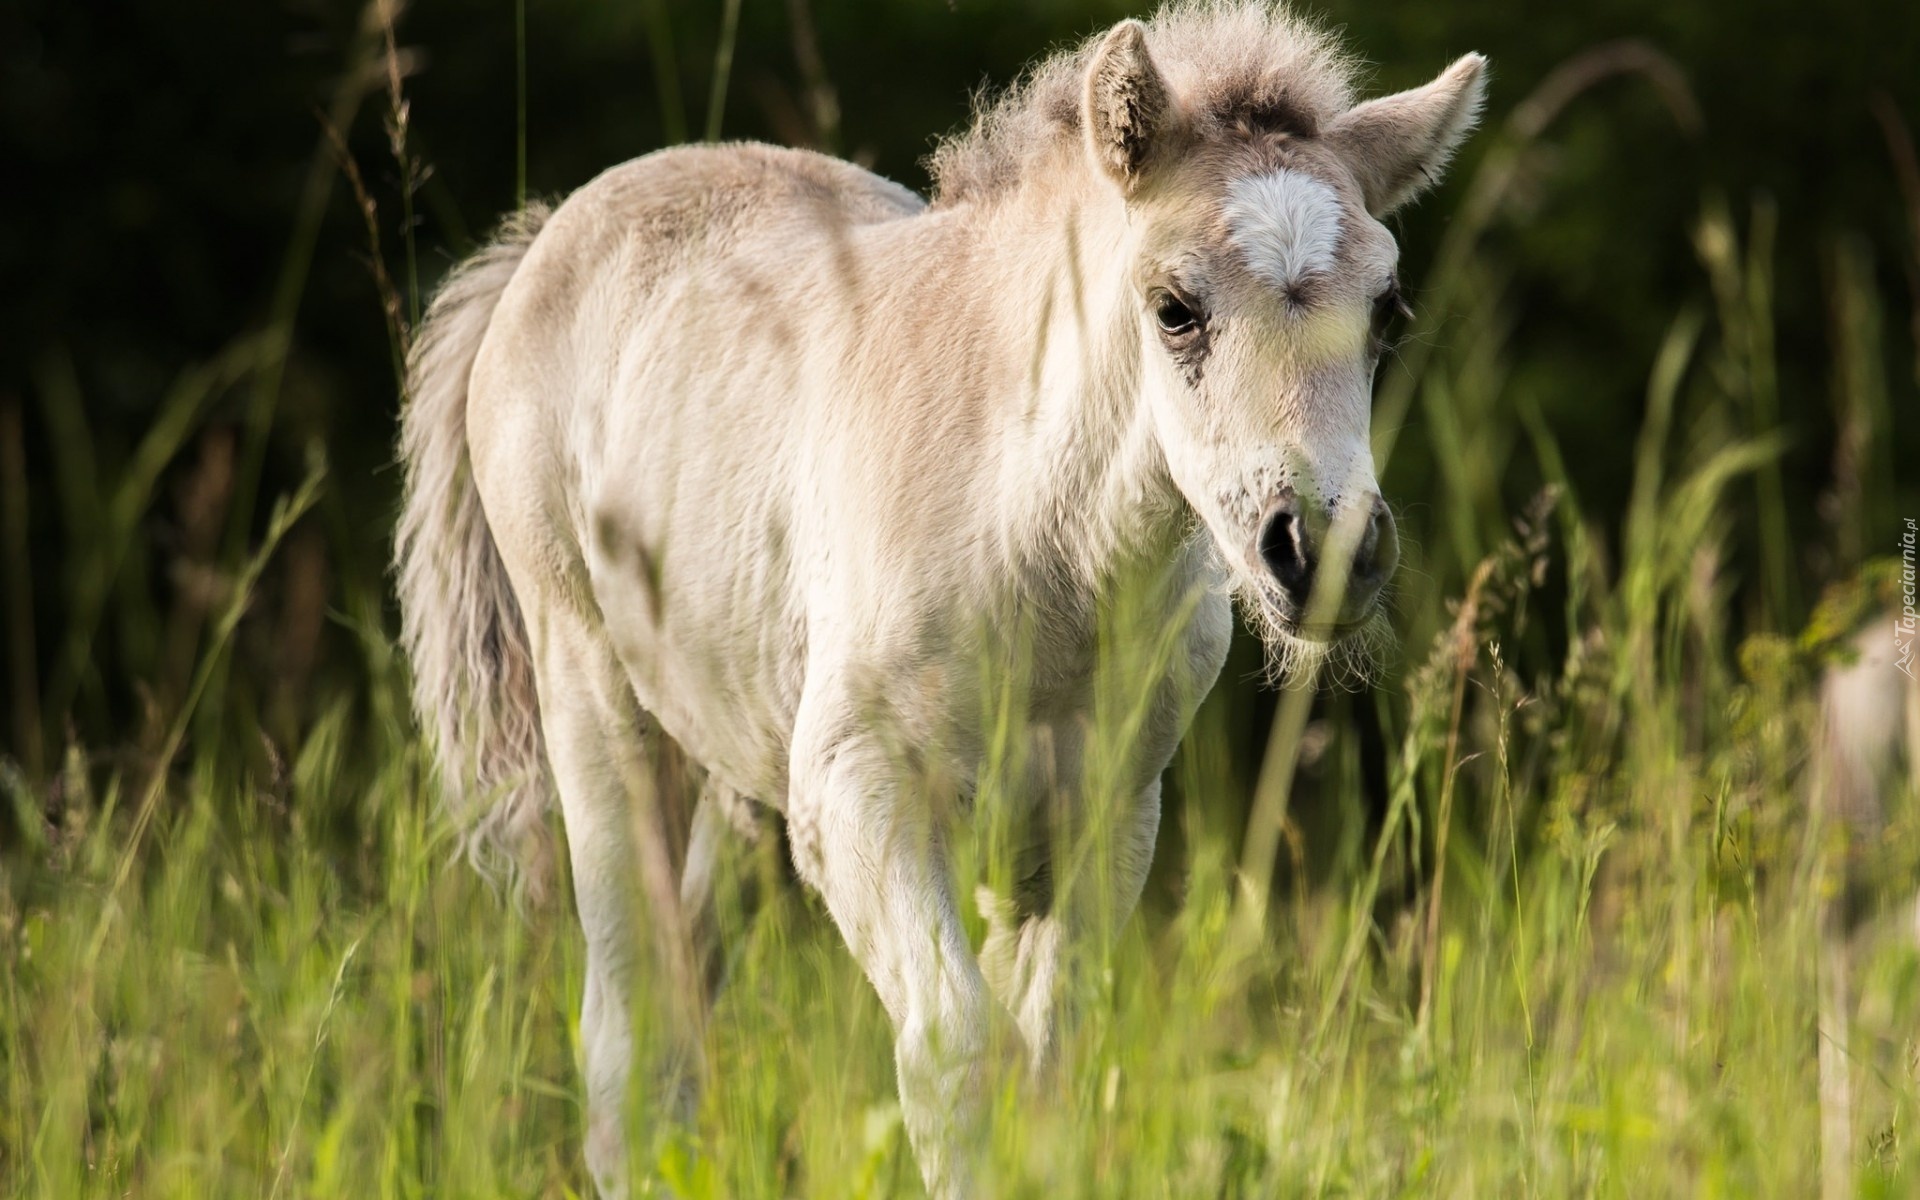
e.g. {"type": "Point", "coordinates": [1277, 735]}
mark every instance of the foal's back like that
{"type": "Point", "coordinates": [715, 225]}
{"type": "Point", "coordinates": [639, 413]}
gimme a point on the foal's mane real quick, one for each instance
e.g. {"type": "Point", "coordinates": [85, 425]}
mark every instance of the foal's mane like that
{"type": "Point", "coordinates": [1235, 65]}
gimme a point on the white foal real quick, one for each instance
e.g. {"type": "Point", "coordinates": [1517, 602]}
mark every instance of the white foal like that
{"type": "Point", "coordinates": [749, 449]}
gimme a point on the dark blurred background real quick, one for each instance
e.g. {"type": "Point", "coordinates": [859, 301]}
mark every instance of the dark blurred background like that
{"type": "Point", "coordinates": [192, 308]}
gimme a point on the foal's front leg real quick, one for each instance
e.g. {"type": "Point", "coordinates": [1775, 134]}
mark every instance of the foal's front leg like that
{"type": "Point", "coordinates": [1039, 938]}
{"type": "Point", "coordinates": [872, 849]}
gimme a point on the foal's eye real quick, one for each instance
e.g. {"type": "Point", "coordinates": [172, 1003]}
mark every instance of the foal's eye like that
{"type": "Point", "coordinates": [1390, 310]}
{"type": "Point", "coordinates": [1174, 316]}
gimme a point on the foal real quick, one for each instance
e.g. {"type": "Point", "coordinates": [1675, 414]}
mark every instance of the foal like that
{"type": "Point", "coordinates": [750, 449]}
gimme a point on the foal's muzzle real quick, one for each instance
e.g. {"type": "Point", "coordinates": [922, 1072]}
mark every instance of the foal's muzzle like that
{"type": "Point", "coordinates": [1296, 541]}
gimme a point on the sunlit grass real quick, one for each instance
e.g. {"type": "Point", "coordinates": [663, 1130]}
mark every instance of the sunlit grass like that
{"type": "Point", "coordinates": [1630, 1007]}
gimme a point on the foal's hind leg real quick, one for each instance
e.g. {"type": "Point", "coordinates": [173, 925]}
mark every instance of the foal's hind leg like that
{"type": "Point", "coordinates": [732, 868]}
{"type": "Point", "coordinates": [621, 840]}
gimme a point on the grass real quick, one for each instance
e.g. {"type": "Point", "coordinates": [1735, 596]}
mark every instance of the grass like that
{"type": "Point", "coordinates": [1599, 940]}
{"type": "Point", "coordinates": [1626, 996]}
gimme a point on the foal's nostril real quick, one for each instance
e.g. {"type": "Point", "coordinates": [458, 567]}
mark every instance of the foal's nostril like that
{"type": "Point", "coordinates": [1287, 551]}
{"type": "Point", "coordinates": [1363, 554]}
{"type": "Point", "coordinates": [1379, 550]}
{"type": "Point", "coordinates": [1290, 551]}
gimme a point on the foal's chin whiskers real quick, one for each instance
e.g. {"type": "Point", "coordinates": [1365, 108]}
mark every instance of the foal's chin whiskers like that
{"type": "Point", "coordinates": [1349, 663]}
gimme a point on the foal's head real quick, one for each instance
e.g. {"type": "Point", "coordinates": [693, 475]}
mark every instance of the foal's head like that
{"type": "Point", "coordinates": [1267, 291]}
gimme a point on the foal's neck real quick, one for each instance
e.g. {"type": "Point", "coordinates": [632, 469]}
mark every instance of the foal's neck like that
{"type": "Point", "coordinates": [1085, 486]}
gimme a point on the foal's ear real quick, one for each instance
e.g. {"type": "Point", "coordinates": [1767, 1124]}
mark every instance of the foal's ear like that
{"type": "Point", "coordinates": [1397, 145]}
{"type": "Point", "coordinates": [1128, 107]}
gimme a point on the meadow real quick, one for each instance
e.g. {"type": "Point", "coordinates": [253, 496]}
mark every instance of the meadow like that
{"type": "Point", "coordinates": [1554, 908]}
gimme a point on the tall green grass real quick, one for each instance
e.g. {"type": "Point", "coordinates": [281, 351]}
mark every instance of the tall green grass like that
{"type": "Point", "coordinates": [1593, 945]}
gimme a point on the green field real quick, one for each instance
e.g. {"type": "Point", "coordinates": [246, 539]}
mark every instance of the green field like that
{"type": "Point", "coordinates": [1570, 921]}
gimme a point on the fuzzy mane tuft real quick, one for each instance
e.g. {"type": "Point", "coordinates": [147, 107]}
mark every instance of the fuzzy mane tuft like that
{"type": "Point", "coordinates": [1246, 64]}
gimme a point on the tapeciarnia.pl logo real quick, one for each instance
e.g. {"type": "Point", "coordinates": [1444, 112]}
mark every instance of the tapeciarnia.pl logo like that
{"type": "Point", "coordinates": [1904, 624]}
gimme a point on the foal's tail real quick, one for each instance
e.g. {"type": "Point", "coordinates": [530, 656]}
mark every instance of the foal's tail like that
{"type": "Point", "coordinates": [473, 686]}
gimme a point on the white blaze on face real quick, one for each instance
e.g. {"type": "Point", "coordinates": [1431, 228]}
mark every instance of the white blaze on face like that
{"type": "Point", "coordinates": [1286, 225]}
{"type": "Point", "coordinates": [1307, 375]}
